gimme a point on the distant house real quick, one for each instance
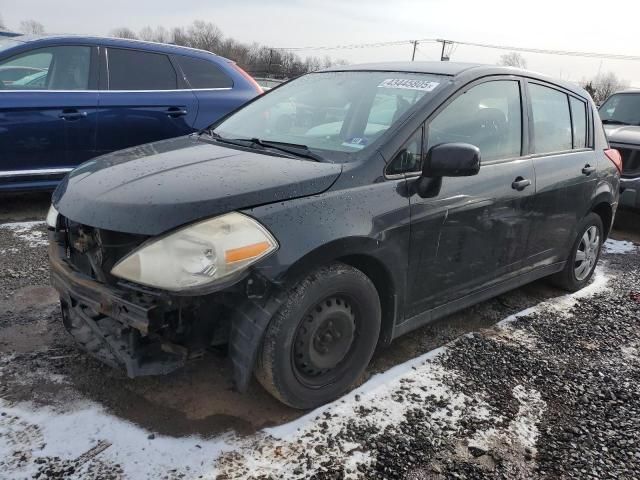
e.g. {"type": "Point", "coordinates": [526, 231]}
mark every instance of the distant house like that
{"type": "Point", "coordinates": [4, 33]}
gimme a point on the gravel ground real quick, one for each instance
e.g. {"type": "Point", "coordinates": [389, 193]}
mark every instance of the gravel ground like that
{"type": "Point", "coordinates": [551, 391]}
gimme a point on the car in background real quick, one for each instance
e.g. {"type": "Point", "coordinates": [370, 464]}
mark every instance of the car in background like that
{"type": "Point", "coordinates": [620, 115]}
{"type": "Point", "coordinates": [67, 99]}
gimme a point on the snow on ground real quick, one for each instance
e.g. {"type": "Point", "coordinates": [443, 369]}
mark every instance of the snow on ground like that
{"type": "Point", "coordinates": [84, 429]}
{"type": "Point", "coordinates": [29, 232]}
{"type": "Point", "coordinates": [619, 246]}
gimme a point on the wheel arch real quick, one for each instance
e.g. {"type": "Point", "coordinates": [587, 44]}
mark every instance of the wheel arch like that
{"type": "Point", "coordinates": [383, 265]}
{"type": "Point", "coordinates": [604, 210]}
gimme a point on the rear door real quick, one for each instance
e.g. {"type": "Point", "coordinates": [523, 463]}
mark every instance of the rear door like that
{"type": "Point", "coordinates": [213, 87]}
{"type": "Point", "coordinates": [142, 100]}
{"type": "Point", "coordinates": [564, 161]}
{"type": "Point", "coordinates": [48, 114]}
{"type": "Point", "coordinates": [471, 232]}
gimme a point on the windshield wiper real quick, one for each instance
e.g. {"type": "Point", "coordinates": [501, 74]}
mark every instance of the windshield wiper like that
{"type": "Point", "coordinates": [614, 122]}
{"type": "Point", "coordinates": [293, 148]}
{"type": "Point", "coordinates": [290, 148]}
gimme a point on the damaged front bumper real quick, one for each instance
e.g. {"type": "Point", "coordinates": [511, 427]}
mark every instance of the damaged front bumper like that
{"type": "Point", "coordinates": [154, 333]}
{"type": "Point", "coordinates": [128, 323]}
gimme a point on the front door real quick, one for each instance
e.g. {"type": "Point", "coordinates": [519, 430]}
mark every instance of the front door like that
{"type": "Point", "coordinates": [141, 100]}
{"type": "Point", "coordinates": [471, 232]}
{"type": "Point", "coordinates": [47, 115]}
{"type": "Point", "coordinates": [565, 171]}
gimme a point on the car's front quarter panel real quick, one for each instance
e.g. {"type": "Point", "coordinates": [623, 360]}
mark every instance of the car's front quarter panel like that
{"type": "Point", "coordinates": [357, 217]}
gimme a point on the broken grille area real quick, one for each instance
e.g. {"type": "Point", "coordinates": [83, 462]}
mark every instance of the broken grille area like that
{"type": "Point", "coordinates": [94, 251]}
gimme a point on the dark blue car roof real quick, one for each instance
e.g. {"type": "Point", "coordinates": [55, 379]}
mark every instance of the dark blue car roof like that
{"type": "Point", "coordinates": [116, 42]}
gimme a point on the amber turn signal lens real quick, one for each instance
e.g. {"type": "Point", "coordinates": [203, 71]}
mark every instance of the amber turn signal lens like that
{"type": "Point", "coordinates": [246, 253]}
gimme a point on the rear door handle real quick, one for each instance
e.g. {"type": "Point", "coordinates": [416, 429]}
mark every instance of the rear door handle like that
{"type": "Point", "coordinates": [520, 183]}
{"type": "Point", "coordinates": [588, 169]}
{"type": "Point", "coordinates": [72, 114]}
{"type": "Point", "coordinates": [175, 112]}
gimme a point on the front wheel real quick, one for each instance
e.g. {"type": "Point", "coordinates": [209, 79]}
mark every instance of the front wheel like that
{"type": "Point", "coordinates": [322, 338]}
{"type": "Point", "coordinates": [584, 255]}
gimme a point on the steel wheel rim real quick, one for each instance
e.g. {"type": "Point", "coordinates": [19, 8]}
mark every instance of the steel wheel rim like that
{"type": "Point", "coordinates": [587, 253]}
{"type": "Point", "coordinates": [324, 341]}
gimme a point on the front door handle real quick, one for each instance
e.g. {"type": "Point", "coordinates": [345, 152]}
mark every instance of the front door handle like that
{"type": "Point", "coordinates": [588, 169]}
{"type": "Point", "coordinates": [520, 183]}
{"type": "Point", "coordinates": [72, 114]}
{"type": "Point", "coordinates": [175, 112]}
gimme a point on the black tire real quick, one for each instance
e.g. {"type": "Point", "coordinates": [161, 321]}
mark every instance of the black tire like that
{"type": "Point", "coordinates": [336, 304]}
{"type": "Point", "coordinates": [567, 278]}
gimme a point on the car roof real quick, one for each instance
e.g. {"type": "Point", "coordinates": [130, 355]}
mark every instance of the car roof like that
{"type": "Point", "coordinates": [628, 90]}
{"type": "Point", "coordinates": [117, 42]}
{"type": "Point", "coordinates": [457, 69]}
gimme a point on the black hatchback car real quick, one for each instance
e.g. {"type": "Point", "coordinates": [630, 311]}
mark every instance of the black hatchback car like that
{"type": "Point", "coordinates": [329, 216]}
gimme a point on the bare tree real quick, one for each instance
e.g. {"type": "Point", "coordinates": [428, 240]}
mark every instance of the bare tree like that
{"type": "Point", "coordinates": [2, 25]}
{"type": "Point", "coordinates": [604, 85]}
{"type": "Point", "coordinates": [254, 58]}
{"type": "Point", "coordinates": [31, 27]}
{"type": "Point", "coordinates": [204, 35]}
{"type": "Point", "coordinates": [123, 32]}
{"type": "Point", "coordinates": [513, 59]}
{"type": "Point", "coordinates": [158, 34]}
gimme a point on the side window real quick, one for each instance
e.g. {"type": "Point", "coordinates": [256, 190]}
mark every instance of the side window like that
{"type": "Point", "coordinates": [203, 74]}
{"type": "Point", "coordinates": [488, 116]}
{"type": "Point", "coordinates": [136, 70]}
{"type": "Point", "coordinates": [579, 116]}
{"type": "Point", "coordinates": [55, 68]}
{"type": "Point", "coordinates": [551, 120]}
{"type": "Point", "coordinates": [409, 158]}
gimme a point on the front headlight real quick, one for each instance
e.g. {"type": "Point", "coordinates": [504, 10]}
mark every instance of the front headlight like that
{"type": "Point", "coordinates": [199, 254]}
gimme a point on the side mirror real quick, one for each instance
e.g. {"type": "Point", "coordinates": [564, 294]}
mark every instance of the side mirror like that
{"type": "Point", "coordinates": [452, 160]}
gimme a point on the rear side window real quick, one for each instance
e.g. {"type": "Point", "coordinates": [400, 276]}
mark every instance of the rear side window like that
{"type": "Point", "coordinates": [488, 116]}
{"type": "Point", "coordinates": [551, 120]}
{"type": "Point", "coordinates": [136, 70]}
{"type": "Point", "coordinates": [204, 74]}
{"type": "Point", "coordinates": [55, 68]}
{"type": "Point", "coordinates": [579, 116]}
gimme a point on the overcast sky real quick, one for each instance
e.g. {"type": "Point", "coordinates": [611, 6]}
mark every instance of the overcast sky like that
{"type": "Point", "coordinates": [550, 24]}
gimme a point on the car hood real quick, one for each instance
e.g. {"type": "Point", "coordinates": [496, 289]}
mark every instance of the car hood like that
{"type": "Point", "coordinates": [623, 134]}
{"type": "Point", "coordinates": [155, 187]}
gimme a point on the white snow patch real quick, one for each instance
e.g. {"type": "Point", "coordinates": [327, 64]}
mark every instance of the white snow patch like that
{"type": "Point", "coordinates": [523, 431]}
{"type": "Point", "coordinates": [619, 246]}
{"type": "Point", "coordinates": [28, 232]}
{"type": "Point", "coordinates": [69, 435]}
{"type": "Point", "coordinates": [563, 303]}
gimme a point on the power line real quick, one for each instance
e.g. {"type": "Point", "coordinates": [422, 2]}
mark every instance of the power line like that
{"type": "Point", "coordinates": [610, 56]}
{"type": "Point", "coordinates": [356, 45]}
{"type": "Point", "coordinates": [455, 43]}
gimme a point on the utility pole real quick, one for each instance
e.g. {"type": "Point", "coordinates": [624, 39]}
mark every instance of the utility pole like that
{"type": "Point", "coordinates": [270, 60]}
{"type": "Point", "coordinates": [443, 56]}
{"type": "Point", "coordinates": [415, 46]}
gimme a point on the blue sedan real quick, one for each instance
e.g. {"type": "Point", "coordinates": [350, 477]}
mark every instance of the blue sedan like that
{"type": "Point", "coordinates": [66, 99]}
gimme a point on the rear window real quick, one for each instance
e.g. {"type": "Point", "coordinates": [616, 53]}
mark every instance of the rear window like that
{"type": "Point", "coordinates": [551, 119]}
{"type": "Point", "coordinates": [136, 70]}
{"type": "Point", "coordinates": [579, 116]}
{"type": "Point", "coordinates": [204, 74]}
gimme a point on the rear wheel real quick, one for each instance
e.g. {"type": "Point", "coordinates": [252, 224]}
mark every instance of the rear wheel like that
{"type": "Point", "coordinates": [322, 338]}
{"type": "Point", "coordinates": [584, 255]}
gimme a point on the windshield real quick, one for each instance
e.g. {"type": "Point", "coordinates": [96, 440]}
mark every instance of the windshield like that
{"type": "Point", "coordinates": [621, 109]}
{"type": "Point", "coordinates": [335, 111]}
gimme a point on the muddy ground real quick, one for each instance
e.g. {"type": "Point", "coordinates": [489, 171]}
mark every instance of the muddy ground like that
{"type": "Point", "coordinates": [504, 402]}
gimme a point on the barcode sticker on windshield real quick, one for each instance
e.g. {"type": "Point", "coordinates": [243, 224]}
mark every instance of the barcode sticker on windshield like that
{"type": "Point", "coordinates": [408, 84]}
